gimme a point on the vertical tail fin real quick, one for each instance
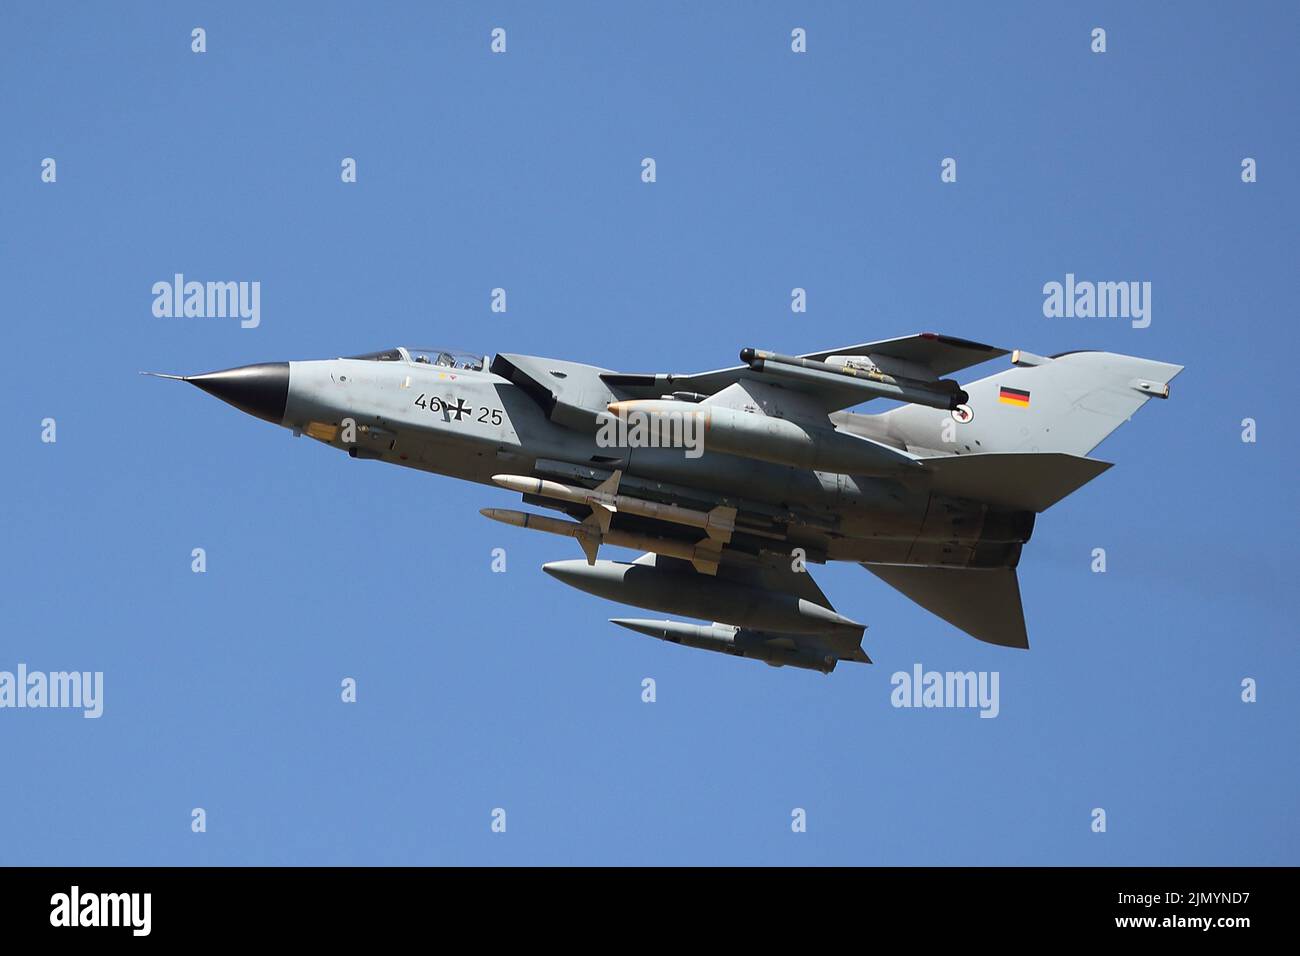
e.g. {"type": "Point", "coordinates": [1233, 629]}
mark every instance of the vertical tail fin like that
{"type": "Point", "coordinates": [1068, 404]}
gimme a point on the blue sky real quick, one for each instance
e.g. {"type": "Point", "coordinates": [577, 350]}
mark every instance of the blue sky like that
{"type": "Point", "coordinates": [775, 170]}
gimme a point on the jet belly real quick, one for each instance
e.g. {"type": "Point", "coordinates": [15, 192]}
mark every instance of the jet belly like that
{"type": "Point", "coordinates": [859, 509]}
{"type": "Point", "coordinates": [730, 475]}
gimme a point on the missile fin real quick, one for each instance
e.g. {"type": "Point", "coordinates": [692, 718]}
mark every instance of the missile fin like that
{"type": "Point", "coordinates": [610, 485]}
{"type": "Point", "coordinates": [603, 513]}
{"type": "Point", "coordinates": [722, 522]}
{"type": "Point", "coordinates": [708, 554]}
{"type": "Point", "coordinates": [590, 546]}
{"type": "Point", "coordinates": [588, 535]}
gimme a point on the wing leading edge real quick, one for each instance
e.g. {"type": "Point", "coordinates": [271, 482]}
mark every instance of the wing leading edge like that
{"type": "Point", "coordinates": [926, 354]}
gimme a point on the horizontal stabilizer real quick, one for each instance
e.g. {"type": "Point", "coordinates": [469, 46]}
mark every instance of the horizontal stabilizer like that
{"type": "Point", "coordinates": [983, 603]}
{"type": "Point", "coordinates": [1021, 482]}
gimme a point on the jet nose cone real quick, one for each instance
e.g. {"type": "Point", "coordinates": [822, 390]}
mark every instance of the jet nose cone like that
{"type": "Point", "coordinates": [261, 390]}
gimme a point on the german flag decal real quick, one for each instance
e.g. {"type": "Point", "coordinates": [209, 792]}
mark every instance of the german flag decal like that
{"type": "Point", "coordinates": [1013, 396]}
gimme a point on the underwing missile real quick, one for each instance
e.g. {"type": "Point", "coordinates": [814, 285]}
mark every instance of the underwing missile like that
{"type": "Point", "coordinates": [873, 383]}
{"type": "Point", "coordinates": [710, 598]}
{"type": "Point", "coordinates": [703, 556]}
{"type": "Point", "coordinates": [604, 501]}
{"type": "Point", "coordinates": [726, 639]}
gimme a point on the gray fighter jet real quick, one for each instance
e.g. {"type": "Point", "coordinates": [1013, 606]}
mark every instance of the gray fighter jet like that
{"type": "Point", "coordinates": [733, 481]}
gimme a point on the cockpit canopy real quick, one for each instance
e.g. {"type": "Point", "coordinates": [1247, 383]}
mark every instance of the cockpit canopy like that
{"type": "Point", "coordinates": [443, 358]}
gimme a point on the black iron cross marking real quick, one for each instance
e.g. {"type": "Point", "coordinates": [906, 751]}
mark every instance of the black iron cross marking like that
{"type": "Point", "coordinates": [460, 409]}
